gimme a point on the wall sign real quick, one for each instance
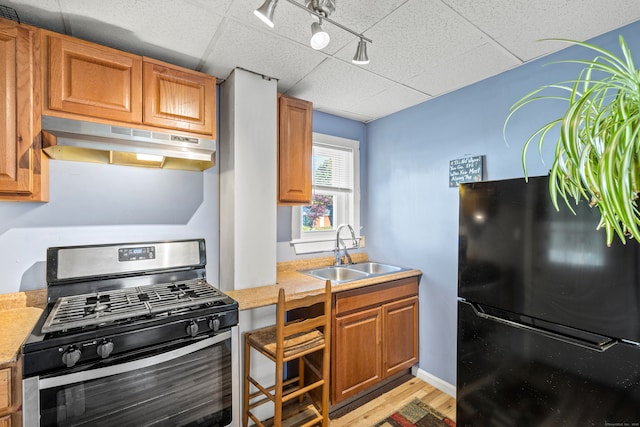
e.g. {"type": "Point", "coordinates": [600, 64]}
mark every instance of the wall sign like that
{"type": "Point", "coordinates": [468, 169]}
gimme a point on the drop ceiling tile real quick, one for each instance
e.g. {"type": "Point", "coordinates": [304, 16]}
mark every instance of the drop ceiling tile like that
{"type": "Point", "coordinates": [517, 25]}
{"type": "Point", "coordinates": [414, 36]}
{"type": "Point", "coordinates": [338, 85]}
{"type": "Point", "coordinates": [363, 15]}
{"type": "Point", "coordinates": [346, 114]}
{"type": "Point", "coordinates": [260, 51]}
{"type": "Point", "coordinates": [453, 73]}
{"type": "Point", "coordinates": [41, 13]}
{"type": "Point", "coordinates": [177, 32]}
{"type": "Point", "coordinates": [394, 98]}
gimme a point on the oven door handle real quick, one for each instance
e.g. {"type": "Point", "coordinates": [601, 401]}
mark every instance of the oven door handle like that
{"type": "Point", "coordinates": [93, 374]}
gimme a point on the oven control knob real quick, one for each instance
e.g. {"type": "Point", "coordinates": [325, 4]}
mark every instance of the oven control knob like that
{"type": "Point", "coordinates": [71, 356]}
{"type": "Point", "coordinates": [214, 323]}
{"type": "Point", "coordinates": [192, 328]}
{"type": "Point", "coordinates": [105, 348]}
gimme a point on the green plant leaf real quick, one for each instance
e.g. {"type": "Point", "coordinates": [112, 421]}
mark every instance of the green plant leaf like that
{"type": "Point", "coordinates": [597, 155]}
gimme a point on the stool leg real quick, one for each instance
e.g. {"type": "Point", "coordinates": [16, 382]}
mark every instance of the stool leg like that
{"type": "Point", "coordinates": [325, 386]}
{"type": "Point", "coordinates": [277, 416]}
{"type": "Point", "coordinates": [301, 377]}
{"type": "Point", "coordinates": [246, 373]}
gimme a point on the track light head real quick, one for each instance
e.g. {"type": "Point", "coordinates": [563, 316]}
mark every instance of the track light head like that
{"type": "Point", "coordinates": [361, 57]}
{"type": "Point", "coordinates": [265, 12]}
{"type": "Point", "coordinates": [319, 37]}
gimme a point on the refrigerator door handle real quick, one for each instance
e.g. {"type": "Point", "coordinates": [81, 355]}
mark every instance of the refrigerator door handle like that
{"type": "Point", "coordinates": [599, 347]}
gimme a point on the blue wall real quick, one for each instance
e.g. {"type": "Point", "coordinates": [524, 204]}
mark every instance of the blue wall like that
{"type": "Point", "coordinates": [95, 203]}
{"type": "Point", "coordinates": [412, 213]}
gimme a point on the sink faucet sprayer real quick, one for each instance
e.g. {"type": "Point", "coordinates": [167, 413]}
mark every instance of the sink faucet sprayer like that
{"type": "Point", "coordinates": [355, 244]}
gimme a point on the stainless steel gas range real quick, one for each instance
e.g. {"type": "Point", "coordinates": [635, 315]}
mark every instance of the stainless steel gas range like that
{"type": "Point", "coordinates": [133, 335]}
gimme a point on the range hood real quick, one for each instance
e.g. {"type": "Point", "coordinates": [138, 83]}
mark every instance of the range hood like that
{"type": "Point", "coordinates": [68, 139]}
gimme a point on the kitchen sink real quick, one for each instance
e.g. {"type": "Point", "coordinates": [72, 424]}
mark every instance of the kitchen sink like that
{"type": "Point", "coordinates": [350, 272]}
{"type": "Point", "coordinates": [336, 274]}
{"type": "Point", "coordinates": [374, 268]}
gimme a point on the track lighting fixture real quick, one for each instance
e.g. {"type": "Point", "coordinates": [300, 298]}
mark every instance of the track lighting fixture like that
{"type": "Point", "coordinates": [361, 57]}
{"type": "Point", "coordinates": [319, 37]}
{"type": "Point", "coordinates": [265, 12]}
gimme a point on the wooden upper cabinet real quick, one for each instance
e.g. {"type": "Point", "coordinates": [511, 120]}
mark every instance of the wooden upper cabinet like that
{"type": "Point", "coordinates": [98, 82]}
{"type": "Point", "coordinates": [294, 150]}
{"type": "Point", "coordinates": [178, 98]}
{"type": "Point", "coordinates": [92, 80]}
{"type": "Point", "coordinates": [23, 168]}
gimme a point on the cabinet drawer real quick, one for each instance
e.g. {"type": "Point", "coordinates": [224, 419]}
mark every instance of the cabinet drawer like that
{"type": "Point", "coordinates": [375, 295]}
{"type": "Point", "coordinates": [5, 389]}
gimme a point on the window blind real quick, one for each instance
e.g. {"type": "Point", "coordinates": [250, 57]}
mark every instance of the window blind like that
{"type": "Point", "coordinates": [332, 167]}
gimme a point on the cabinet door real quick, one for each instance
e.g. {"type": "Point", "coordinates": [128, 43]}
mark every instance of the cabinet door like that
{"type": "Point", "coordinates": [16, 73]}
{"type": "Point", "coordinates": [92, 80]}
{"type": "Point", "coordinates": [294, 150]}
{"type": "Point", "coordinates": [179, 98]}
{"type": "Point", "coordinates": [5, 389]}
{"type": "Point", "coordinates": [400, 335]}
{"type": "Point", "coordinates": [357, 359]}
{"type": "Point", "coordinates": [5, 421]}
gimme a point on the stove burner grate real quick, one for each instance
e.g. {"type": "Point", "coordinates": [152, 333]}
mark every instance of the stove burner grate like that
{"type": "Point", "coordinates": [84, 310]}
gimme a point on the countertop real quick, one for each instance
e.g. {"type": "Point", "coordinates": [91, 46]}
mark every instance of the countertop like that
{"type": "Point", "coordinates": [19, 311]}
{"type": "Point", "coordinates": [299, 284]}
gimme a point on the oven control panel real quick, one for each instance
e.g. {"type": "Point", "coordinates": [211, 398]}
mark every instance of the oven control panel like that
{"type": "Point", "coordinates": [136, 254]}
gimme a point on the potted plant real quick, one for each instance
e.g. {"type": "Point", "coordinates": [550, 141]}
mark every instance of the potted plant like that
{"type": "Point", "coordinates": [597, 155]}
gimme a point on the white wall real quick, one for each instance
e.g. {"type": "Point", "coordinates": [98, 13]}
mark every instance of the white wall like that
{"type": "Point", "coordinates": [248, 162]}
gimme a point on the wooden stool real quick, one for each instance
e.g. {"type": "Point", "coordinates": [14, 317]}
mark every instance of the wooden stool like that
{"type": "Point", "coordinates": [291, 340]}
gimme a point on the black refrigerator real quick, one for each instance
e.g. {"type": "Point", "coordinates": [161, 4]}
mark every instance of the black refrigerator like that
{"type": "Point", "coordinates": [548, 315]}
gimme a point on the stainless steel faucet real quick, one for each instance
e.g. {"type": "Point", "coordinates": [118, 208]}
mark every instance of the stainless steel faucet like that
{"type": "Point", "coordinates": [355, 244]}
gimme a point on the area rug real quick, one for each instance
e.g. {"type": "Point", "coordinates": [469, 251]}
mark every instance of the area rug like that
{"type": "Point", "coordinates": [416, 413]}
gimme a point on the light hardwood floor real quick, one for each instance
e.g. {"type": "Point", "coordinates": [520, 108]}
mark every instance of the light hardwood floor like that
{"type": "Point", "coordinates": [386, 404]}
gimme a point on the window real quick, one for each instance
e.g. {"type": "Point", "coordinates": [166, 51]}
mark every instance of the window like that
{"type": "Point", "coordinates": [336, 195]}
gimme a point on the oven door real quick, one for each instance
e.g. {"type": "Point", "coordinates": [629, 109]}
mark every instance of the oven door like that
{"type": "Point", "coordinates": [190, 385]}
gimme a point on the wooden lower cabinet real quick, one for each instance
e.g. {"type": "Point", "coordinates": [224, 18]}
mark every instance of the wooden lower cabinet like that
{"type": "Point", "coordinates": [10, 394]}
{"type": "Point", "coordinates": [400, 335]}
{"type": "Point", "coordinates": [374, 336]}
{"type": "Point", "coordinates": [358, 362]}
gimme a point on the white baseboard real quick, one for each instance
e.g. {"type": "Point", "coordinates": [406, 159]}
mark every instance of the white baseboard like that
{"type": "Point", "coordinates": [438, 383]}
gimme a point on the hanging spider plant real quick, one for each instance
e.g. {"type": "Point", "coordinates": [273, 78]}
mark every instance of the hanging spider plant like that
{"type": "Point", "coordinates": [597, 155]}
